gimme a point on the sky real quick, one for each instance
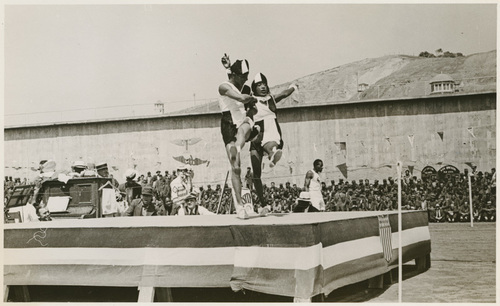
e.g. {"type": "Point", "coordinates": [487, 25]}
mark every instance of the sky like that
{"type": "Point", "coordinates": [71, 57]}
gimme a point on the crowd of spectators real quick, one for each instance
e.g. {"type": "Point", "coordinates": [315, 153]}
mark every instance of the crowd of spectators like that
{"type": "Point", "coordinates": [445, 198]}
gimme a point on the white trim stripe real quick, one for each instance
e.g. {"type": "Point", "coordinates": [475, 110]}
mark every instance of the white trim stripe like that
{"type": "Point", "coordinates": [125, 256]}
{"type": "Point", "coordinates": [411, 236]}
{"type": "Point", "coordinates": [278, 258]}
{"type": "Point", "coordinates": [351, 250]}
{"type": "Point", "coordinates": [355, 249]}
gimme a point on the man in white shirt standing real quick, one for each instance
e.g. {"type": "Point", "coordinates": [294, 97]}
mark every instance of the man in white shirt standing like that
{"type": "Point", "coordinates": [313, 185]}
{"type": "Point", "coordinates": [181, 187]}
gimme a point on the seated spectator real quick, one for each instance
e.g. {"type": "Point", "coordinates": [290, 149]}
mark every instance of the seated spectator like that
{"type": "Point", "coordinates": [191, 207]}
{"type": "Point", "coordinates": [439, 214]}
{"type": "Point", "coordinates": [451, 212]}
{"type": "Point", "coordinates": [303, 203]}
{"type": "Point", "coordinates": [464, 212]}
{"type": "Point", "coordinates": [44, 214]}
{"type": "Point", "coordinates": [488, 213]}
{"type": "Point", "coordinates": [143, 206]}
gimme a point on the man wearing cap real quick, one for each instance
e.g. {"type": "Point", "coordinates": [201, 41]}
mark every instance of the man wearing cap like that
{"type": "Point", "coordinates": [236, 123]}
{"type": "Point", "coordinates": [103, 171]}
{"type": "Point", "coordinates": [181, 187]}
{"type": "Point", "coordinates": [77, 168]}
{"type": "Point", "coordinates": [89, 171]}
{"type": "Point", "coordinates": [312, 184]}
{"type": "Point", "coordinates": [143, 206]}
{"type": "Point", "coordinates": [192, 208]}
{"type": "Point", "coordinates": [131, 189]}
{"type": "Point", "coordinates": [303, 203]}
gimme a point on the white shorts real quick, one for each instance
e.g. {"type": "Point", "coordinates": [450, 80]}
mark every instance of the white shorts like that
{"type": "Point", "coordinates": [246, 120]}
{"type": "Point", "coordinates": [317, 201]}
{"type": "Point", "coordinates": [270, 132]}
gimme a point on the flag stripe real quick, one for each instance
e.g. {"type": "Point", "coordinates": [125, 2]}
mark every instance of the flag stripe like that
{"type": "Point", "coordinates": [385, 236]}
{"type": "Point", "coordinates": [208, 276]}
{"type": "Point", "coordinates": [360, 269]}
{"type": "Point", "coordinates": [294, 253]}
{"type": "Point", "coordinates": [194, 236]}
{"type": "Point", "coordinates": [132, 237]}
{"type": "Point", "coordinates": [292, 257]}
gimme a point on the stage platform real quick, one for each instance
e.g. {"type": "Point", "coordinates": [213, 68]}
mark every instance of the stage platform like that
{"type": "Point", "coordinates": [298, 255]}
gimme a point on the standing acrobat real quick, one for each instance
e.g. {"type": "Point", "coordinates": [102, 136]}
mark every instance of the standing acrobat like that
{"type": "Point", "coordinates": [236, 122]}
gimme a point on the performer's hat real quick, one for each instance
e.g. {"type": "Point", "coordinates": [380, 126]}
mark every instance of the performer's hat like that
{"type": "Point", "coordinates": [48, 166]}
{"type": "Point", "coordinates": [147, 191]}
{"type": "Point", "coordinates": [304, 196]}
{"type": "Point", "coordinates": [79, 164]}
{"type": "Point", "coordinates": [191, 196]}
{"type": "Point", "coordinates": [240, 67]}
{"type": "Point", "coordinates": [130, 174]}
{"type": "Point", "coordinates": [41, 164]}
{"type": "Point", "coordinates": [259, 78]}
{"type": "Point", "coordinates": [101, 166]}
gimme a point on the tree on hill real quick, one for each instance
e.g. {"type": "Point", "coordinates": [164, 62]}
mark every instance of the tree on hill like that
{"type": "Point", "coordinates": [426, 54]}
{"type": "Point", "coordinates": [440, 53]}
{"type": "Point", "coordinates": [449, 54]}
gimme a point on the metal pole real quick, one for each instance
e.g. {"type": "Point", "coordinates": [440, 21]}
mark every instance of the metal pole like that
{"type": "Point", "coordinates": [470, 201]}
{"type": "Point", "coordinates": [220, 198]}
{"type": "Point", "coordinates": [400, 228]}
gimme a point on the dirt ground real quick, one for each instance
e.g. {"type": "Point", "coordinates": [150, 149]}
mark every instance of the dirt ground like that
{"type": "Point", "coordinates": [463, 270]}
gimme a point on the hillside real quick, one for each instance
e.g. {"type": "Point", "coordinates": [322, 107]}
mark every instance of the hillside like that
{"type": "Point", "coordinates": [387, 77]}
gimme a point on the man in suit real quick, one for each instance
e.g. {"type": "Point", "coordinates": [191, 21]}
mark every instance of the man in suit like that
{"type": "Point", "coordinates": [143, 206]}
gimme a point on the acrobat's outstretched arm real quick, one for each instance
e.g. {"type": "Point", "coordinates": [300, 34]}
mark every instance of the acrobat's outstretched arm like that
{"type": "Point", "coordinates": [285, 93]}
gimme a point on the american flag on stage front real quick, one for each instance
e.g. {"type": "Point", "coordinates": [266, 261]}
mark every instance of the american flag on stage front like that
{"type": "Point", "coordinates": [384, 228]}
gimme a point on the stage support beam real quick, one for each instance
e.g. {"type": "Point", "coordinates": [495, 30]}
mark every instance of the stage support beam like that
{"type": "Point", "coordinates": [6, 293]}
{"type": "Point", "coordinates": [146, 295]}
{"type": "Point", "coordinates": [21, 293]}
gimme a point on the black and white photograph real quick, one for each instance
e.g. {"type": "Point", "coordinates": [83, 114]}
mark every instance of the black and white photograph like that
{"type": "Point", "coordinates": [249, 152]}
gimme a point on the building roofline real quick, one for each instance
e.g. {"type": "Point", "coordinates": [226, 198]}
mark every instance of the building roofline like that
{"type": "Point", "coordinates": [62, 123]}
